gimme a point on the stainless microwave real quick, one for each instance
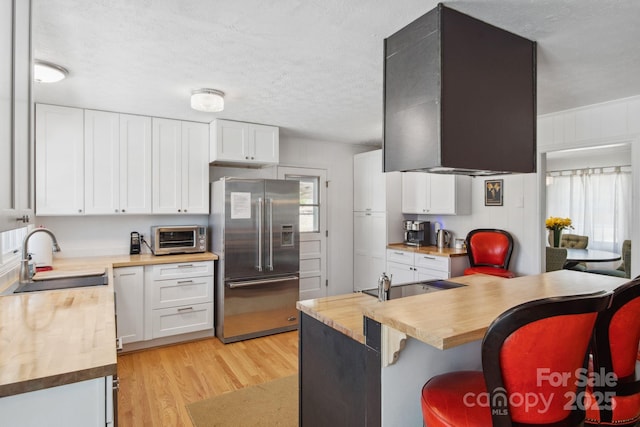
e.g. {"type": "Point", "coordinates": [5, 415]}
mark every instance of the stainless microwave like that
{"type": "Point", "coordinates": [178, 239]}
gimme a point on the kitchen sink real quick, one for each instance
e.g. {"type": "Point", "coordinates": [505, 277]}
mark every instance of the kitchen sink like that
{"type": "Point", "coordinates": [62, 283]}
{"type": "Point", "coordinates": [416, 288]}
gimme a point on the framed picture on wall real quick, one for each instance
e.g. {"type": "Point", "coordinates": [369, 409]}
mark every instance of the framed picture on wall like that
{"type": "Point", "coordinates": [493, 192]}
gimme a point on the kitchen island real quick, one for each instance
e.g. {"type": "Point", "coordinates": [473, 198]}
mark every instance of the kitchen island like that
{"type": "Point", "coordinates": [58, 347]}
{"type": "Point", "coordinates": [388, 350]}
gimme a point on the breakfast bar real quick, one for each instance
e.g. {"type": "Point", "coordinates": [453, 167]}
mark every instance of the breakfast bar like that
{"type": "Point", "coordinates": [404, 342]}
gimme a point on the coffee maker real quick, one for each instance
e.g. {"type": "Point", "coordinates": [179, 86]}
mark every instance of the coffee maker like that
{"type": "Point", "coordinates": [416, 233]}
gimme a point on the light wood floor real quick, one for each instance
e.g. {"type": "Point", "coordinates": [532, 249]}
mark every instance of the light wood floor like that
{"type": "Point", "coordinates": [157, 384]}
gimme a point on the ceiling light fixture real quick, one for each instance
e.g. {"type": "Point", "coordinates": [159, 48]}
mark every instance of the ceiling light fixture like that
{"type": "Point", "coordinates": [208, 100]}
{"type": "Point", "coordinates": [46, 72]}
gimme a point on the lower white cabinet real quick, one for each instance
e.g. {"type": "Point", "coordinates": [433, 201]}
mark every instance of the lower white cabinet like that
{"type": "Point", "coordinates": [178, 298]}
{"type": "Point", "coordinates": [129, 287]}
{"type": "Point", "coordinates": [81, 404]}
{"type": "Point", "coordinates": [180, 320]}
{"type": "Point", "coordinates": [408, 266]}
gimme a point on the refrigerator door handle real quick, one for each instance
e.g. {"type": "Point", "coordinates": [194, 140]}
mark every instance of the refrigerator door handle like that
{"type": "Point", "coordinates": [260, 232]}
{"type": "Point", "coordinates": [270, 265]}
{"type": "Point", "coordinates": [246, 283]}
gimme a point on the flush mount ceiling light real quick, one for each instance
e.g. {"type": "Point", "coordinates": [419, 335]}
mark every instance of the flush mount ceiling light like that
{"type": "Point", "coordinates": [46, 72]}
{"type": "Point", "coordinates": [208, 100]}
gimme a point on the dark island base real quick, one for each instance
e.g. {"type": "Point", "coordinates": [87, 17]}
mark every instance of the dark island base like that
{"type": "Point", "coordinates": [339, 377]}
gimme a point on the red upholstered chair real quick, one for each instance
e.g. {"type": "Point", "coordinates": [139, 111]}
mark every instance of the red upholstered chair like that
{"type": "Point", "coordinates": [531, 357]}
{"type": "Point", "coordinates": [616, 402]}
{"type": "Point", "coordinates": [489, 251]}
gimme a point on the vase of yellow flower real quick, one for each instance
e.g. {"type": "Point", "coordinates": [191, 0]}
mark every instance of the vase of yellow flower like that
{"type": "Point", "coordinates": [555, 225]}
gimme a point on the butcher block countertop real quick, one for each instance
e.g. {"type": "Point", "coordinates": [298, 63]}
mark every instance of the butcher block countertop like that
{"type": "Point", "coordinates": [453, 317]}
{"type": "Point", "coordinates": [58, 337]}
{"type": "Point", "coordinates": [344, 313]}
{"type": "Point", "coordinates": [428, 250]}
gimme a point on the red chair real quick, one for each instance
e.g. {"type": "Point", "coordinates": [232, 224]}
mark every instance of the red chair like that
{"type": "Point", "coordinates": [489, 251]}
{"type": "Point", "coordinates": [614, 398]}
{"type": "Point", "coordinates": [536, 350]}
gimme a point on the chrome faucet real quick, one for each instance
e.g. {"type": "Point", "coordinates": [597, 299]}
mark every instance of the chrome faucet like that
{"type": "Point", "coordinates": [25, 276]}
{"type": "Point", "coordinates": [384, 283]}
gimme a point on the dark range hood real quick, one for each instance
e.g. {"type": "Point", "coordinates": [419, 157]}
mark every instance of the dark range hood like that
{"type": "Point", "coordinates": [459, 97]}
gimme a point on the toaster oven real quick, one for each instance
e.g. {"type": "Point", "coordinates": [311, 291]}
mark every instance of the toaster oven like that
{"type": "Point", "coordinates": [178, 239]}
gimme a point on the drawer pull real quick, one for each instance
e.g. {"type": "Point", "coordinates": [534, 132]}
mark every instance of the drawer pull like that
{"type": "Point", "coordinates": [429, 257]}
{"type": "Point", "coordinates": [399, 253]}
{"type": "Point", "coordinates": [185, 309]}
{"type": "Point", "coordinates": [185, 265]}
{"type": "Point", "coordinates": [182, 282]}
{"type": "Point", "coordinates": [127, 274]}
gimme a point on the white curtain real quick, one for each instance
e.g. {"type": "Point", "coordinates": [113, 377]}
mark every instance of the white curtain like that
{"type": "Point", "coordinates": [598, 201]}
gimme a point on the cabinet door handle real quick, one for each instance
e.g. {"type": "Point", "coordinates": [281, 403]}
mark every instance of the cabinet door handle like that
{"type": "Point", "coordinates": [185, 309]}
{"type": "Point", "coordinates": [182, 282]}
{"type": "Point", "coordinates": [116, 210]}
{"type": "Point", "coordinates": [126, 274]}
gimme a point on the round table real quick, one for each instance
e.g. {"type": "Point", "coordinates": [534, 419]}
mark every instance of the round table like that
{"type": "Point", "coordinates": [590, 255]}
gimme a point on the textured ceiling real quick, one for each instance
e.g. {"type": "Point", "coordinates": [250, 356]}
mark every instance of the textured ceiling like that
{"type": "Point", "coordinates": [312, 67]}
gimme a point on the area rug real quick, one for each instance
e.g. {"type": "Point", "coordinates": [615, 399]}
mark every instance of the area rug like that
{"type": "Point", "coordinates": [274, 403]}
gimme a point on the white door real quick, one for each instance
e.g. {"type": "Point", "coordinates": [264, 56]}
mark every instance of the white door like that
{"type": "Point", "coordinates": [313, 229]}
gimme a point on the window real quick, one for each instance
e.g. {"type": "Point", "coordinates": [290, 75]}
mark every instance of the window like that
{"type": "Point", "coordinates": [309, 202]}
{"type": "Point", "coordinates": [598, 201]}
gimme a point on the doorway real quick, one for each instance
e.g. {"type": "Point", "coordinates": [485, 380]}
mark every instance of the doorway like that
{"type": "Point", "coordinates": [313, 229]}
{"type": "Point", "coordinates": [585, 183]}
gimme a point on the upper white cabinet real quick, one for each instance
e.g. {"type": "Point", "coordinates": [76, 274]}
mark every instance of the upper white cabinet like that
{"type": "Point", "coordinates": [16, 202]}
{"type": "Point", "coordinates": [369, 182]}
{"type": "Point", "coordinates": [180, 167]}
{"type": "Point", "coordinates": [104, 163]}
{"type": "Point", "coordinates": [426, 193]}
{"type": "Point", "coordinates": [244, 143]}
{"type": "Point", "coordinates": [59, 160]}
{"type": "Point", "coordinates": [135, 164]}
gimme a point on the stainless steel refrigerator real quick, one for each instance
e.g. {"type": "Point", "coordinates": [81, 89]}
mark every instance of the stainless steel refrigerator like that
{"type": "Point", "coordinates": [254, 231]}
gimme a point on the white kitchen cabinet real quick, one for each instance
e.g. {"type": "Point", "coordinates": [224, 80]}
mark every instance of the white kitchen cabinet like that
{"type": "Point", "coordinates": [369, 245]}
{"type": "Point", "coordinates": [101, 162]}
{"type": "Point", "coordinates": [16, 202]}
{"type": "Point", "coordinates": [369, 182]}
{"type": "Point", "coordinates": [59, 160]}
{"type": "Point", "coordinates": [377, 219]}
{"type": "Point", "coordinates": [178, 298]}
{"type": "Point", "coordinates": [244, 143]}
{"type": "Point", "coordinates": [135, 164]}
{"type": "Point", "coordinates": [408, 266]}
{"type": "Point", "coordinates": [129, 288]}
{"type": "Point", "coordinates": [180, 167]}
{"type": "Point", "coordinates": [81, 404]}
{"type": "Point", "coordinates": [436, 194]}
